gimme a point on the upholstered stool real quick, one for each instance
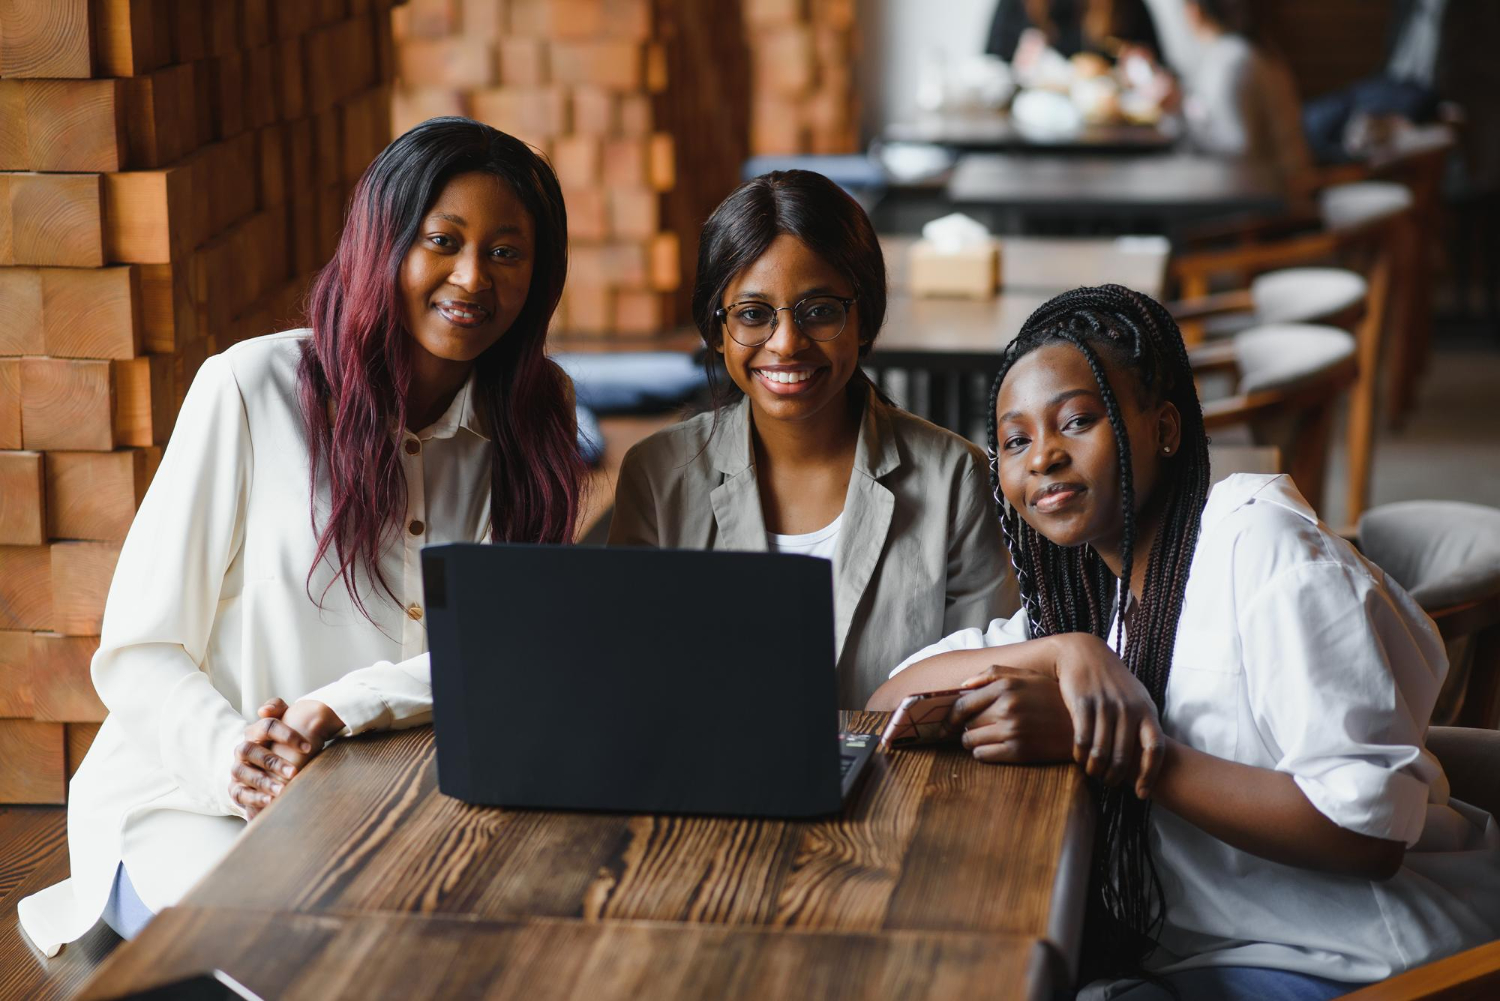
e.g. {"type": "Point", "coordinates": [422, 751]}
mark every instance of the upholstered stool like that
{"type": "Point", "coordinates": [1281, 356]}
{"type": "Point", "coordinates": [1447, 555]}
{"type": "Point", "coordinates": [1346, 205]}
{"type": "Point", "coordinates": [1306, 295]}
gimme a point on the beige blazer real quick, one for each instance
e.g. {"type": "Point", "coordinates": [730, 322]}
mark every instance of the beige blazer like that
{"type": "Point", "coordinates": [919, 553]}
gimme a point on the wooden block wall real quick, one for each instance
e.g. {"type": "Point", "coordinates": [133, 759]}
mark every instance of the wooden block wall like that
{"type": "Point", "coordinates": [611, 91]}
{"type": "Point", "coordinates": [172, 172]}
{"type": "Point", "coordinates": [802, 76]}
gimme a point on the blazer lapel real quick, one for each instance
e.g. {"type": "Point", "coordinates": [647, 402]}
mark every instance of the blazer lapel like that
{"type": "Point", "coordinates": [868, 508]}
{"type": "Point", "coordinates": [736, 500]}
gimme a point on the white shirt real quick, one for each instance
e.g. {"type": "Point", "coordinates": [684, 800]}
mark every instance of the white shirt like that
{"type": "Point", "coordinates": [824, 542]}
{"type": "Point", "coordinates": [209, 615]}
{"type": "Point", "coordinates": [1296, 654]}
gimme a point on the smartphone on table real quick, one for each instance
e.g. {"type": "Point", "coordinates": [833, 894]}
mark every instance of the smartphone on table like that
{"type": "Point", "coordinates": [921, 718]}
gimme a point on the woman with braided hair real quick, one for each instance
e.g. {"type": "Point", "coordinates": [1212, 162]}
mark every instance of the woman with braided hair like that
{"type": "Point", "coordinates": [1250, 695]}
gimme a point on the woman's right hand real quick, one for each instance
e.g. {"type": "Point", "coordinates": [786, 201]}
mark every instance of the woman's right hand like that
{"type": "Point", "coordinates": [1116, 733]}
{"type": "Point", "coordinates": [269, 757]}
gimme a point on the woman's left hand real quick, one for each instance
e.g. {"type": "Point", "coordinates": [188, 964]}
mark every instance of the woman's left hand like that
{"type": "Point", "coordinates": [1116, 734]}
{"type": "Point", "coordinates": [311, 723]}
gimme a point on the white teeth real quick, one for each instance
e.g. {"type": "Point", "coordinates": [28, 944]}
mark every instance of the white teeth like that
{"type": "Point", "coordinates": [787, 377]}
{"type": "Point", "coordinates": [459, 313]}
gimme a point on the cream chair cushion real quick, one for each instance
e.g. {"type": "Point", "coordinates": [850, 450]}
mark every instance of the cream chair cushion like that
{"type": "Point", "coordinates": [1303, 295]}
{"type": "Point", "coordinates": [1283, 355]}
{"type": "Point", "coordinates": [1346, 205]}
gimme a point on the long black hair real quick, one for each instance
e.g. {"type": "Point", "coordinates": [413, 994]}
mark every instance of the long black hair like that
{"type": "Point", "coordinates": [1072, 590]}
{"type": "Point", "coordinates": [799, 203]}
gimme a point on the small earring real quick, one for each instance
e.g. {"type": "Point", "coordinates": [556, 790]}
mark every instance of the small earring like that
{"type": "Point", "coordinates": [1166, 450]}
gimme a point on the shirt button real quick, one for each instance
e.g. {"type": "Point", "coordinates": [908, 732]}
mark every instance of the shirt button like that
{"type": "Point", "coordinates": [413, 446]}
{"type": "Point", "coordinates": [414, 612]}
{"type": "Point", "coordinates": [416, 528]}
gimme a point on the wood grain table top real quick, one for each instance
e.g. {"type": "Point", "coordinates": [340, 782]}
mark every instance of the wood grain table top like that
{"type": "Point", "coordinates": [931, 844]}
{"type": "Point", "coordinates": [291, 956]}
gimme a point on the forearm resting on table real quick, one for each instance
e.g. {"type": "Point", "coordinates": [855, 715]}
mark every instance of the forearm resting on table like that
{"type": "Point", "coordinates": [951, 669]}
{"type": "Point", "coordinates": [1263, 812]}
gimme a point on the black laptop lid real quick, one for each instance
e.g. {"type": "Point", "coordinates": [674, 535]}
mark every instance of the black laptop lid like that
{"type": "Point", "coordinates": [639, 680]}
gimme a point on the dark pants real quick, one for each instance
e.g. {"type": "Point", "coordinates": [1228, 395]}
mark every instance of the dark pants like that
{"type": "Point", "coordinates": [1324, 118]}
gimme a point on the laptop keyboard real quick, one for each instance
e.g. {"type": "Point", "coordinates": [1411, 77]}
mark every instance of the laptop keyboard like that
{"type": "Point", "coordinates": [854, 753]}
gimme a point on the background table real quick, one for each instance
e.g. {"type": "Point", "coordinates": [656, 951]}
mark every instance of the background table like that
{"type": "Point", "coordinates": [954, 345]}
{"type": "Point", "coordinates": [998, 131]}
{"type": "Point", "coordinates": [363, 879]}
{"type": "Point", "coordinates": [1135, 194]}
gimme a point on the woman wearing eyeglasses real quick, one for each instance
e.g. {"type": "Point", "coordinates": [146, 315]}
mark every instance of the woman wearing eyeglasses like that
{"type": "Point", "coordinates": [812, 459]}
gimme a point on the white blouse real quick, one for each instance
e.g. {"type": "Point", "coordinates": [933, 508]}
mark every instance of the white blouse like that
{"type": "Point", "coordinates": [209, 615]}
{"type": "Point", "coordinates": [1296, 654]}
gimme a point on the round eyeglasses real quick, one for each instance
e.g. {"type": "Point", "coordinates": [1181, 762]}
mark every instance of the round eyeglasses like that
{"type": "Point", "coordinates": [751, 322]}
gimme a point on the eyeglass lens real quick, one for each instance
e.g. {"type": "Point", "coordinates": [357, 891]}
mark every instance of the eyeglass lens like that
{"type": "Point", "coordinates": [819, 317]}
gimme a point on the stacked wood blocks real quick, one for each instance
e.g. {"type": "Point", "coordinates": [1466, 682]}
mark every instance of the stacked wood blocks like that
{"type": "Point", "coordinates": [802, 59]}
{"type": "Point", "coordinates": [171, 173]}
{"type": "Point", "coordinates": [620, 95]}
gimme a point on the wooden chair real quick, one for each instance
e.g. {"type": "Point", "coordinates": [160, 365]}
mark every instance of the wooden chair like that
{"type": "Point", "coordinates": [1470, 759]}
{"type": "Point", "coordinates": [1288, 380]}
{"type": "Point", "coordinates": [1368, 247]}
{"type": "Point", "coordinates": [1418, 164]}
{"type": "Point", "coordinates": [1447, 555]}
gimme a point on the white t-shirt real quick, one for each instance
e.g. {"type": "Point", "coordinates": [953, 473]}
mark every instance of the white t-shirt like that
{"type": "Point", "coordinates": [824, 542]}
{"type": "Point", "coordinates": [1295, 653]}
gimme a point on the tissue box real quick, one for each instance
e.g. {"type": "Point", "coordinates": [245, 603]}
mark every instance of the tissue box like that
{"type": "Point", "coordinates": [971, 273]}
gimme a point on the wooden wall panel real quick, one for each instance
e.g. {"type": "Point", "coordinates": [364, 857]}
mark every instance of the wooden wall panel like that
{"type": "Point", "coordinates": [92, 312]}
{"type": "Point", "coordinates": [45, 38]}
{"type": "Point", "coordinates": [62, 689]}
{"type": "Point", "coordinates": [81, 572]}
{"type": "Point", "coordinates": [23, 499]}
{"type": "Point", "coordinates": [94, 495]}
{"type": "Point", "coordinates": [10, 403]}
{"type": "Point", "coordinates": [21, 330]}
{"type": "Point", "coordinates": [80, 737]}
{"type": "Point", "coordinates": [67, 404]}
{"type": "Point", "coordinates": [53, 219]}
{"type": "Point", "coordinates": [35, 756]}
{"type": "Point", "coordinates": [15, 675]}
{"type": "Point", "coordinates": [25, 587]}
{"type": "Point", "coordinates": [172, 172]}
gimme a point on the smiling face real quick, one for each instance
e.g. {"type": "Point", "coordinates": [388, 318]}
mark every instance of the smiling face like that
{"type": "Point", "coordinates": [465, 277]}
{"type": "Point", "coordinates": [791, 377]}
{"type": "Point", "coordinates": [1058, 458]}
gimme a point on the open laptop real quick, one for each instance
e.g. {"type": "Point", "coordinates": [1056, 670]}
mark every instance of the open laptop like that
{"type": "Point", "coordinates": [637, 680]}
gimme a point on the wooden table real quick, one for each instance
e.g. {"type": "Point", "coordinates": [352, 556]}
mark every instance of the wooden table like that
{"type": "Point", "coordinates": [1165, 190]}
{"type": "Point", "coordinates": [997, 130]}
{"type": "Point", "coordinates": [955, 341]}
{"type": "Point", "coordinates": [941, 875]}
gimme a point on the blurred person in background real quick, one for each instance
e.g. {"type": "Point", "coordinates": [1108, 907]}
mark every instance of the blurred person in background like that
{"type": "Point", "coordinates": [1240, 100]}
{"type": "Point", "coordinates": [1070, 26]}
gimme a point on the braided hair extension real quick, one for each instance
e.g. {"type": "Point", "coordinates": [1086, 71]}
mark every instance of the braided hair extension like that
{"type": "Point", "coordinates": [1073, 590]}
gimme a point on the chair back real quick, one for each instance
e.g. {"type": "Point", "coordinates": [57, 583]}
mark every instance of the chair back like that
{"type": "Point", "coordinates": [1289, 380]}
{"type": "Point", "coordinates": [1447, 555]}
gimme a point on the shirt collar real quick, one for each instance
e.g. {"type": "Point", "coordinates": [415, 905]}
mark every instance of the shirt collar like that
{"type": "Point", "coordinates": [1234, 492]}
{"type": "Point", "coordinates": [876, 453]}
{"type": "Point", "coordinates": [463, 412]}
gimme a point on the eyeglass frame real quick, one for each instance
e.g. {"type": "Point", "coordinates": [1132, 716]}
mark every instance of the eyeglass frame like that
{"type": "Point", "coordinates": [722, 315]}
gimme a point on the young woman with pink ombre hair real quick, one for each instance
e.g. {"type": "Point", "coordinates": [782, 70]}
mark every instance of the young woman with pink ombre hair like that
{"type": "Point", "coordinates": [268, 596]}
